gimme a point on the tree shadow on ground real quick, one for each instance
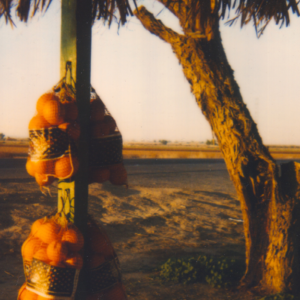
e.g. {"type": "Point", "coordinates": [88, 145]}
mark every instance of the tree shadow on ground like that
{"type": "Point", "coordinates": [96, 206]}
{"type": "Point", "coordinates": [123, 232]}
{"type": "Point", "coordinates": [16, 180]}
{"type": "Point", "coordinates": [217, 194]}
{"type": "Point", "coordinates": [119, 191]}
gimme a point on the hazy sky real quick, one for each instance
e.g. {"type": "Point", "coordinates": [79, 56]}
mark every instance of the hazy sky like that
{"type": "Point", "coordinates": [141, 82]}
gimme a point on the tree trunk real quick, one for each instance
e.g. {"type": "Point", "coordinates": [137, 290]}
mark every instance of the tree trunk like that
{"type": "Point", "coordinates": [268, 193]}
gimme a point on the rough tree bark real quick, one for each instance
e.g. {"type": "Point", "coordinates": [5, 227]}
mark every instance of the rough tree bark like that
{"type": "Point", "coordinates": [268, 193]}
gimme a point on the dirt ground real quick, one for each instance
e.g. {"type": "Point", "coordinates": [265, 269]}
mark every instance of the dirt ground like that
{"type": "Point", "coordinates": [167, 211]}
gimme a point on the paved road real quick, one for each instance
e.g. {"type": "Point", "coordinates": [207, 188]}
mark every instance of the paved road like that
{"type": "Point", "coordinates": [153, 173]}
{"type": "Point", "coordinates": [195, 174]}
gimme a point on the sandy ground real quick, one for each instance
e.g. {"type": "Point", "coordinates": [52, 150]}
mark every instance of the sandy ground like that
{"type": "Point", "coordinates": [170, 209]}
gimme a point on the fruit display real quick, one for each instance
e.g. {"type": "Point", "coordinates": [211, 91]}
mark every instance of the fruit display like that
{"type": "Point", "coordinates": [103, 269]}
{"type": "Point", "coordinates": [54, 132]}
{"type": "Point", "coordinates": [52, 259]}
{"type": "Point", "coordinates": [105, 150]}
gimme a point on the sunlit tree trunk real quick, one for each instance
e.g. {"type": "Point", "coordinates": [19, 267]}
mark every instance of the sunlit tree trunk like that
{"type": "Point", "coordinates": [268, 193]}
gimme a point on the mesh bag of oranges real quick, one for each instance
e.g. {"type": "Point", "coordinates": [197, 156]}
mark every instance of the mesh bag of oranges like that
{"type": "Point", "coordinates": [53, 133]}
{"type": "Point", "coordinates": [105, 151]}
{"type": "Point", "coordinates": [52, 259]}
{"type": "Point", "coordinates": [103, 268]}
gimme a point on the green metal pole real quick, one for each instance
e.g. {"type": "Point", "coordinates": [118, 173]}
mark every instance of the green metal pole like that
{"type": "Point", "coordinates": [68, 37]}
{"type": "Point", "coordinates": [76, 47]}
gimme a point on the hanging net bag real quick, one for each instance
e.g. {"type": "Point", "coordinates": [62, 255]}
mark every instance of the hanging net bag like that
{"type": "Point", "coordinates": [105, 151]}
{"type": "Point", "coordinates": [54, 132]}
{"type": "Point", "coordinates": [103, 268]}
{"type": "Point", "coordinates": [52, 259]}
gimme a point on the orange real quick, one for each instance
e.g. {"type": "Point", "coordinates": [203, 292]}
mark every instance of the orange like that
{"type": "Point", "coordinates": [27, 295]}
{"type": "Point", "coordinates": [118, 175]}
{"type": "Point", "coordinates": [54, 112]}
{"type": "Point", "coordinates": [38, 122]}
{"type": "Point", "coordinates": [95, 260]}
{"type": "Point", "coordinates": [75, 261]}
{"type": "Point", "coordinates": [100, 175]}
{"type": "Point", "coordinates": [36, 225]}
{"type": "Point", "coordinates": [44, 180]}
{"type": "Point", "coordinates": [110, 122]}
{"type": "Point", "coordinates": [75, 162]}
{"type": "Point", "coordinates": [41, 255]}
{"type": "Point", "coordinates": [43, 99]}
{"type": "Point", "coordinates": [57, 251]}
{"type": "Point", "coordinates": [66, 166]}
{"type": "Point", "coordinates": [115, 293]}
{"type": "Point", "coordinates": [73, 239]}
{"type": "Point", "coordinates": [44, 166]}
{"type": "Point", "coordinates": [29, 247]}
{"type": "Point", "coordinates": [97, 110]}
{"type": "Point", "coordinates": [30, 167]}
{"type": "Point", "coordinates": [49, 232]}
{"type": "Point", "coordinates": [99, 129]}
{"type": "Point", "coordinates": [71, 111]}
{"type": "Point", "coordinates": [22, 288]}
{"type": "Point", "coordinates": [96, 130]}
{"type": "Point", "coordinates": [41, 298]}
{"type": "Point", "coordinates": [72, 129]}
{"type": "Point", "coordinates": [98, 242]}
{"type": "Point", "coordinates": [64, 126]}
{"type": "Point", "coordinates": [57, 264]}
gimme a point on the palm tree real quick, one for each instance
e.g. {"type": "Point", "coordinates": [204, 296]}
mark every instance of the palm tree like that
{"type": "Point", "coordinates": [268, 192]}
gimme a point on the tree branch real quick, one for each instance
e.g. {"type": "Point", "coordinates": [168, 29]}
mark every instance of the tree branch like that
{"type": "Point", "coordinates": [156, 26]}
{"type": "Point", "coordinates": [172, 6]}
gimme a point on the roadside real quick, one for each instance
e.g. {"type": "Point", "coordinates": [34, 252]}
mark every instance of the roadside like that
{"type": "Point", "coordinates": [169, 210]}
{"type": "Point", "coordinates": [19, 149]}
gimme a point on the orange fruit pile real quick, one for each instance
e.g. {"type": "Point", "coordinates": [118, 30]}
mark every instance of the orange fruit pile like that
{"type": "Point", "coordinates": [99, 250]}
{"type": "Point", "coordinates": [53, 112]}
{"type": "Point", "coordinates": [102, 124]}
{"type": "Point", "coordinates": [54, 244]}
{"type": "Point", "coordinates": [116, 174]}
{"type": "Point", "coordinates": [98, 246]}
{"type": "Point", "coordinates": [59, 110]}
{"type": "Point", "coordinates": [46, 171]}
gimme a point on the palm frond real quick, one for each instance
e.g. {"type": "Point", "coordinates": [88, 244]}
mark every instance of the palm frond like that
{"type": "Point", "coordinates": [261, 12]}
{"type": "Point", "coordinates": [101, 9]}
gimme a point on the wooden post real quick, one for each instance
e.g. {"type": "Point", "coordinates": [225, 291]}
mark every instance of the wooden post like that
{"type": "Point", "coordinates": [76, 47]}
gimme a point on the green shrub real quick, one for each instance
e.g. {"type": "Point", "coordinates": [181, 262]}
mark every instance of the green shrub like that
{"type": "Point", "coordinates": [163, 142]}
{"type": "Point", "coordinates": [218, 272]}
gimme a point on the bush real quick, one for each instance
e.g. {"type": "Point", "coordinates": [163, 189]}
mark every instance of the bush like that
{"type": "Point", "coordinates": [211, 142]}
{"type": "Point", "coordinates": [217, 272]}
{"type": "Point", "coordinates": [164, 142]}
